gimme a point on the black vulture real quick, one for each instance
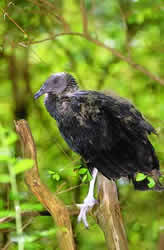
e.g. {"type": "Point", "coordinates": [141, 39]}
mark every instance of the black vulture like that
{"type": "Point", "coordinates": [109, 133]}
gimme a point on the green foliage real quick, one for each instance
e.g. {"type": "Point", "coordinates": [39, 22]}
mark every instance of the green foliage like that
{"type": "Point", "coordinates": [7, 155]}
{"type": "Point", "coordinates": [83, 172]}
{"type": "Point", "coordinates": [23, 165]}
{"type": "Point", "coordinates": [7, 213]}
{"type": "Point", "coordinates": [31, 206]}
{"type": "Point", "coordinates": [55, 176]}
{"type": "Point", "coordinates": [136, 30]}
{"type": "Point", "coordinates": [14, 166]}
{"type": "Point", "coordinates": [151, 183]}
{"type": "Point", "coordinates": [4, 178]}
{"type": "Point", "coordinates": [7, 225]}
{"type": "Point", "coordinates": [140, 177]}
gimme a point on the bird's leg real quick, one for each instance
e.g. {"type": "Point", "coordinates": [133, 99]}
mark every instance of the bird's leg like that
{"type": "Point", "coordinates": [89, 201]}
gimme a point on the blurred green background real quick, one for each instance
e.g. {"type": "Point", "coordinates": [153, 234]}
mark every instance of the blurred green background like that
{"type": "Point", "coordinates": [29, 54]}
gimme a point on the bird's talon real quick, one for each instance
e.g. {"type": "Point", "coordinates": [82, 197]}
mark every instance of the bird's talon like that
{"type": "Point", "coordinates": [84, 208]}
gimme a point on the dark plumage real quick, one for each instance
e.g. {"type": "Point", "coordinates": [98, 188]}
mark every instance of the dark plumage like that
{"type": "Point", "coordinates": [107, 131]}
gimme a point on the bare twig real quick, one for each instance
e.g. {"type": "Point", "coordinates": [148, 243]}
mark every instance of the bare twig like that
{"type": "Point", "coordinates": [87, 36]}
{"type": "Point", "coordinates": [108, 48]}
{"type": "Point", "coordinates": [13, 21]}
{"type": "Point", "coordinates": [52, 37]}
{"type": "Point", "coordinates": [84, 17]}
{"type": "Point", "coordinates": [69, 189]}
{"type": "Point", "coordinates": [25, 213]}
{"type": "Point", "coordinates": [124, 6]}
{"type": "Point", "coordinates": [72, 209]}
{"type": "Point", "coordinates": [128, 60]}
{"type": "Point", "coordinates": [55, 206]}
{"type": "Point", "coordinates": [59, 17]}
{"type": "Point", "coordinates": [49, 8]}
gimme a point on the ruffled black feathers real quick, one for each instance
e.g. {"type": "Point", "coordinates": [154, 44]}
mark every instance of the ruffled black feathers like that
{"type": "Point", "coordinates": [108, 132]}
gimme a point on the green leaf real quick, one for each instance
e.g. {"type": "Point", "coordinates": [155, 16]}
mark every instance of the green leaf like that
{"type": "Point", "coordinates": [89, 176]}
{"type": "Point", "coordinates": [25, 37]}
{"type": "Point", "coordinates": [83, 171]}
{"type": "Point", "coordinates": [49, 232]}
{"type": "Point", "coordinates": [4, 178]}
{"type": "Point", "coordinates": [140, 177]}
{"type": "Point", "coordinates": [23, 165]}
{"type": "Point", "coordinates": [4, 156]}
{"type": "Point", "coordinates": [31, 207]}
{"type": "Point", "coordinates": [14, 196]}
{"type": "Point", "coordinates": [7, 225]}
{"type": "Point", "coordinates": [3, 131]}
{"type": "Point", "coordinates": [77, 167]}
{"type": "Point", "coordinates": [6, 213]}
{"type": "Point", "coordinates": [30, 239]}
{"type": "Point", "coordinates": [51, 172]}
{"type": "Point", "coordinates": [56, 177]}
{"type": "Point", "coordinates": [26, 238]}
{"type": "Point", "coordinates": [85, 178]}
{"type": "Point", "coordinates": [151, 183]}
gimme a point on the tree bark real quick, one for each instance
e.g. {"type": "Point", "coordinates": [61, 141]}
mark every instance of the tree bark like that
{"type": "Point", "coordinates": [55, 206]}
{"type": "Point", "coordinates": [108, 215]}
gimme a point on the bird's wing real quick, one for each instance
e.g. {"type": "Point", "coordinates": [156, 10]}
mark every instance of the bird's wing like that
{"type": "Point", "coordinates": [128, 116]}
{"type": "Point", "coordinates": [88, 127]}
{"type": "Point", "coordinates": [104, 120]}
{"type": "Point", "coordinates": [133, 152]}
{"type": "Point", "coordinates": [109, 134]}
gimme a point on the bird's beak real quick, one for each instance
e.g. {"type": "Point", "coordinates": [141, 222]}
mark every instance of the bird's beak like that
{"type": "Point", "coordinates": [39, 93]}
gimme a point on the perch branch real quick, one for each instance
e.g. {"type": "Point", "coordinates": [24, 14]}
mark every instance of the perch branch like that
{"type": "Point", "coordinates": [55, 206]}
{"type": "Point", "coordinates": [108, 215]}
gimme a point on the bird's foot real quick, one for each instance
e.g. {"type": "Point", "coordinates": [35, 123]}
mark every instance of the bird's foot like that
{"type": "Point", "coordinates": [89, 203]}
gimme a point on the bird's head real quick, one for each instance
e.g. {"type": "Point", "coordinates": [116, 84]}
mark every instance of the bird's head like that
{"type": "Point", "coordinates": [57, 84]}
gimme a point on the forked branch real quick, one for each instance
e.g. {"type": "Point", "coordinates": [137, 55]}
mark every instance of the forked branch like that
{"type": "Point", "coordinates": [55, 206]}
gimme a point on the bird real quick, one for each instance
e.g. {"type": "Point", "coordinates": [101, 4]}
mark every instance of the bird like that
{"type": "Point", "coordinates": [107, 131]}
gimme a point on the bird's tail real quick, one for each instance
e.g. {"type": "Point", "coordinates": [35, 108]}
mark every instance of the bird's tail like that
{"type": "Point", "coordinates": [152, 173]}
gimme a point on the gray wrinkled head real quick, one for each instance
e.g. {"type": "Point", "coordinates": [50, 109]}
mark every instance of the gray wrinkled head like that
{"type": "Point", "coordinates": [55, 84]}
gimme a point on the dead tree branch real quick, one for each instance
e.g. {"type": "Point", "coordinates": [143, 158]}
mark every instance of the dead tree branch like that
{"type": "Point", "coordinates": [55, 206]}
{"type": "Point", "coordinates": [108, 215]}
